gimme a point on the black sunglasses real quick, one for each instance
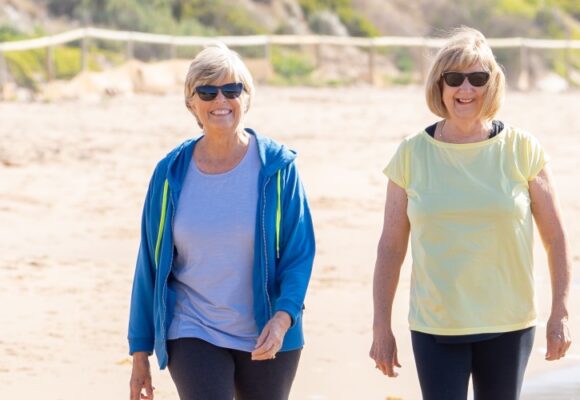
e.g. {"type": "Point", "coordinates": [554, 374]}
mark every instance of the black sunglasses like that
{"type": "Point", "coordinates": [210, 92]}
{"type": "Point", "coordinates": [455, 79]}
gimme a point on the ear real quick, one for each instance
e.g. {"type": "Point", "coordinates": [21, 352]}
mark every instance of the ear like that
{"type": "Point", "coordinates": [190, 104]}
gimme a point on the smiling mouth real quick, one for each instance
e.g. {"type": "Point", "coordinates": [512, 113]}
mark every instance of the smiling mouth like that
{"type": "Point", "coordinates": [221, 112]}
{"type": "Point", "coordinates": [464, 101]}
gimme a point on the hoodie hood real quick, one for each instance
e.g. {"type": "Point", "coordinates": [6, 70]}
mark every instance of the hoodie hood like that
{"type": "Point", "coordinates": [273, 156]}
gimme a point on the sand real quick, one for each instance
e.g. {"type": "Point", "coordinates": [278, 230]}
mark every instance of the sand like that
{"type": "Point", "coordinates": [72, 180]}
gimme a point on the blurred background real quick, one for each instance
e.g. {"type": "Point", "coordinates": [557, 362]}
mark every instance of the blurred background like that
{"type": "Point", "coordinates": [378, 42]}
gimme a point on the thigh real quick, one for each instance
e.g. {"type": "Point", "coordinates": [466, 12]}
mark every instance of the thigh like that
{"type": "Point", "coordinates": [200, 370]}
{"type": "Point", "coordinates": [499, 365]}
{"type": "Point", "coordinates": [443, 368]}
{"type": "Point", "coordinates": [265, 380]}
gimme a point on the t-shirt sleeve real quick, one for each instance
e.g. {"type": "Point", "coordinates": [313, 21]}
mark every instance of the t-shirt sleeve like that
{"type": "Point", "coordinates": [397, 170]}
{"type": "Point", "coordinates": [534, 157]}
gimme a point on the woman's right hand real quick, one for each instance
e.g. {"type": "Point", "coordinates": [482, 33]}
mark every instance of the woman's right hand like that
{"type": "Point", "coordinates": [141, 378]}
{"type": "Point", "coordinates": [384, 352]}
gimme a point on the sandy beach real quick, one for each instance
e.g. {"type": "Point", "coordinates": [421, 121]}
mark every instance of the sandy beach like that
{"type": "Point", "coordinates": [73, 176]}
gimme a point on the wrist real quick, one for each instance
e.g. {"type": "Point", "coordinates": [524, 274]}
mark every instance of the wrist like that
{"type": "Point", "coordinates": [284, 318]}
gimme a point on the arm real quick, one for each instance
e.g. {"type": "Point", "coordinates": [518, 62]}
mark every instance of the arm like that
{"type": "Point", "coordinates": [141, 377]}
{"type": "Point", "coordinates": [546, 212]}
{"type": "Point", "coordinates": [390, 255]}
{"type": "Point", "coordinates": [141, 326]}
{"type": "Point", "coordinates": [293, 268]}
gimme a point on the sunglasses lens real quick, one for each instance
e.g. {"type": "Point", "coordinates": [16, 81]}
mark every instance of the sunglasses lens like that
{"type": "Point", "coordinates": [232, 90]}
{"type": "Point", "coordinates": [478, 78]}
{"type": "Point", "coordinates": [453, 79]}
{"type": "Point", "coordinates": [207, 92]}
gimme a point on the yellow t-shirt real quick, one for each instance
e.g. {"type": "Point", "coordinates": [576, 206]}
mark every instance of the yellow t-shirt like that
{"type": "Point", "coordinates": [471, 231]}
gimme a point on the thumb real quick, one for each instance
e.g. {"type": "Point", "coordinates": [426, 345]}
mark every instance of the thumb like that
{"type": "Point", "coordinates": [263, 336]}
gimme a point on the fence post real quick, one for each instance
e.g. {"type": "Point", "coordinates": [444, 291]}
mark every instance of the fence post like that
{"type": "Point", "coordinates": [423, 60]}
{"type": "Point", "coordinates": [130, 50]}
{"type": "Point", "coordinates": [318, 55]}
{"type": "Point", "coordinates": [568, 61]}
{"type": "Point", "coordinates": [372, 60]}
{"type": "Point", "coordinates": [268, 57]}
{"type": "Point", "coordinates": [172, 51]}
{"type": "Point", "coordinates": [49, 62]}
{"type": "Point", "coordinates": [84, 53]}
{"type": "Point", "coordinates": [524, 78]}
{"type": "Point", "coordinates": [3, 74]}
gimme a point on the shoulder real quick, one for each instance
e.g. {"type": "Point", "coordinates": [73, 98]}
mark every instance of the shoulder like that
{"type": "Point", "coordinates": [413, 141]}
{"type": "Point", "coordinates": [160, 171]}
{"type": "Point", "coordinates": [273, 155]}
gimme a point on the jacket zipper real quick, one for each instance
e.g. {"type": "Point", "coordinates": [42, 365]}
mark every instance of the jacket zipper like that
{"type": "Point", "coordinates": [266, 295]}
{"type": "Point", "coordinates": [164, 297]}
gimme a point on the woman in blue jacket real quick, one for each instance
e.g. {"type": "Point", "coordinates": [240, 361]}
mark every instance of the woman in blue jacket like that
{"type": "Point", "coordinates": [226, 252]}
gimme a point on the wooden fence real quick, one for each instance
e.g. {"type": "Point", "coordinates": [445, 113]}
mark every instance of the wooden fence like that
{"type": "Point", "coordinates": [266, 41]}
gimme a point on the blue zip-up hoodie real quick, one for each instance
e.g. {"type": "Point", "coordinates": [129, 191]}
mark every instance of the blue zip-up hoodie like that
{"type": "Point", "coordinates": [283, 249]}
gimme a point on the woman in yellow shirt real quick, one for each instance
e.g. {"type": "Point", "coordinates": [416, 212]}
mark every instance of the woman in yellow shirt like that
{"type": "Point", "coordinates": [464, 190]}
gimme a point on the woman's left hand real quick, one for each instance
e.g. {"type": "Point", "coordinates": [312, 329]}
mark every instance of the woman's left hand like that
{"type": "Point", "coordinates": [558, 338]}
{"type": "Point", "coordinates": [270, 340]}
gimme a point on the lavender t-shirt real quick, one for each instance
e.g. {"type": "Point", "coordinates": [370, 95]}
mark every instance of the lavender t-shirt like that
{"type": "Point", "coordinates": [214, 228]}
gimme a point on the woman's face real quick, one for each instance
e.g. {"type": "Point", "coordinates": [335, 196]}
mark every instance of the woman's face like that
{"type": "Point", "coordinates": [221, 114]}
{"type": "Point", "coordinates": [465, 101]}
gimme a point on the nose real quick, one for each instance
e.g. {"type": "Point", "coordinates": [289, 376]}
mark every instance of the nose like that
{"type": "Point", "coordinates": [220, 96]}
{"type": "Point", "coordinates": [466, 84]}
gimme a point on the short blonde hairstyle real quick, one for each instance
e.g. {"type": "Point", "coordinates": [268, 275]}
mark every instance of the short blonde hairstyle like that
{"type": "Point", "coordinates": [465, 47]}
{"type": "Point", "coordinates": [216, 62]}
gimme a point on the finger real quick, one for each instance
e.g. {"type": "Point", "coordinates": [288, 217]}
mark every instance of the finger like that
{"type": "Point", "coordinates": [553, 350]}
{"type": "Point", "coordinates": [389, 371]}
{"type": "Point", "coordinates": [263, 336]}
{"type": "Point", "coordinates": [266, 351]}
{"type": "Point", "coordinates": [149, 390]}
{"type": "Point", "coordinates": [135, 391]}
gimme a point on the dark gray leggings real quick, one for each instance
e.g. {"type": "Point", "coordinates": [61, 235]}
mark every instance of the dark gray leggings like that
{"type": "Point", "coordinates": [496, 366]}
{"type": "Point", "coordinates": [202, 371]}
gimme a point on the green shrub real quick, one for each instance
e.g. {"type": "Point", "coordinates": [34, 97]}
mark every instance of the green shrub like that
{"type": "Point", "coordinates": [292, 66]}
{"type": "Point", "coordinates": [356, 24]}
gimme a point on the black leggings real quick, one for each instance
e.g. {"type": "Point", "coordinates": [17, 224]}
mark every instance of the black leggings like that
{"type": "Point", "coordinates": [202, 371]}
{"type": "Point", "coordinates": [496, 366]}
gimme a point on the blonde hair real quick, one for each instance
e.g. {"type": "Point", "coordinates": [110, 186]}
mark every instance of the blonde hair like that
{"type": "Point", "coordinates": [216, 62]}
{"type": "Point", "coordinates": [465, 47]}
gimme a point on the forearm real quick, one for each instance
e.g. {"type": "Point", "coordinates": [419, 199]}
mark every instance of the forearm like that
{"type": "Point", "coordinates": [385, 282]}
{"type": "Point", "coordinates": [560, 274]}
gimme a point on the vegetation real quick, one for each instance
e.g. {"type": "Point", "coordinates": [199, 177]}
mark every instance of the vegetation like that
{"type": "Point", "coordinates": [497, 18]}
{"type": "Point", "coordinates": [355, 23]}
{"type": "Point", "coordinates": [291, 66]}
{"type": "Point", "coordinates": [184, 17]}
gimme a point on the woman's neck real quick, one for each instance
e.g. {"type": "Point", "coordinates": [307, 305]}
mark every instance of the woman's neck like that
{"type": "Point", "coordinates": [218, 153]}
{"type": "Point", "coordinates": [452, 131]}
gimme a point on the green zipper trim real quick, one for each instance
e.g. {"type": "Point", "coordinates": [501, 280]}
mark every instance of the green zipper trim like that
{"type": "Point", "coordinates": [278, 217]}
{"type": "Point", "coordinates": [161, 222]}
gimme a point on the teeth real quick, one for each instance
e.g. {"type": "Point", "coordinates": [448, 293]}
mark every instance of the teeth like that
{"type": "Point", "coordinates": [465, 100]}
{"type": "Point", "coordinates": [220, 112]}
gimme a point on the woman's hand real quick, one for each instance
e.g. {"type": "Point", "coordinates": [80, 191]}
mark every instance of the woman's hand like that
{"type": "Point", "coordinates": [270, 340]}
{"type": "Point", "coordinates": [384, 352]}
{"type": "Point", "coordinates": [141, 378]}
{"type": "Point", "coordinates": [558, 338]}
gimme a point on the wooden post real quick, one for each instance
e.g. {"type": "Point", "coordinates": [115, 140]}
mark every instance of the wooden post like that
{"type": "Point", "coordinates": [172, 51]}
{"type": "Point", "coordinates": [3, 74]}
{"type": "Point", "coordinates": [84, 53]}
{"type": "Point", "coordinates": [372, 61]}
{"type": "Point", "coordinates": [424, 56]}
{"type": "Point", "coordinates": [130, 50]}
{"type": "Point", "coordinates": [523, 78]}
{"type": "Point", "coordinates": [49, 63]}
{"type": "Point", "coordinates": [268, 57]}
{"type": "Point", "coordinates": [568, 61]}
{"type": "Point", "coordinates": [318, 55]}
